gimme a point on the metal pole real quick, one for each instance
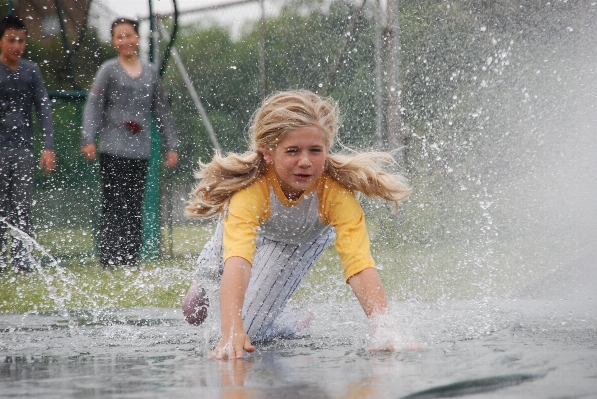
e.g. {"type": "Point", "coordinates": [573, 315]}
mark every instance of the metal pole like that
{"type": "Point", "coordinates": [151, 200]}
{"type": "Point", "coordinates": [170, 188]}
{"type": "Point", "coordinates": [393, 89]}
{"type": "Point", "coordinates": [151, 30]}
{"type": "Point", "coordinates": [379, 112]}
{"type": "Point", "coordinates": [69, 53]}
{"type": "Point", "coordinates": [192, 92]}
{"type": "Point", "coordinates": [263, 83]}
{"type": "Point", "coordinates": [171, 40]}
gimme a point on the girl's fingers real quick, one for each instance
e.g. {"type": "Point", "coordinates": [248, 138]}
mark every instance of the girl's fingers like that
{"type": "Point", "coordinates": [215, 354]}
{"type": "Point", "coordinates": [232, 350]}
{"type": "Point", "coordinates": [220, 352]}
{"type": "Point", "coordinates": [248, 347]}
{"type": "Point", "coordinates": [388, 347]}
{"type": "Point", "coordinates": [400, 348]}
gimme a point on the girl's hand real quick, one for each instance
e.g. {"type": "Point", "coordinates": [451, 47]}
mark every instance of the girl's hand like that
{"type": "Point", "coordinates": [383, 333]}
{"type": "Point", "coordinates": [232, 346]}
{"type": "Point", "coordinates": [386, 335]}
{"type": "Point", "coordinates": [233, 286]}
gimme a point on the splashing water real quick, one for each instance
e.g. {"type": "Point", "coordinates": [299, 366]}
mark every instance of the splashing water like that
{"type": "Point", "coordinates": [31, 243]}
{"type": "Point", "coordinates": [491, 268]}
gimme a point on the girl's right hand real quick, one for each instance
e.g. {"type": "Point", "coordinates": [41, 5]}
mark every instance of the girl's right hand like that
{"type": "Point", "coordinates": [232, 346]}
{"type": "Point", "coordinates": [233, 286]}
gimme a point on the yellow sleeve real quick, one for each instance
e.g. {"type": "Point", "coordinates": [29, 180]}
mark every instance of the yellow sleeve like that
{"type": "Point", "coordinates": [247, 210]}
{"type": "Point", "coordinates": [340, 208]}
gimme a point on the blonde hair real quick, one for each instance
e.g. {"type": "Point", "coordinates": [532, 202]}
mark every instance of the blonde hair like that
{"type": "Point", "coordinates": [279, 115]}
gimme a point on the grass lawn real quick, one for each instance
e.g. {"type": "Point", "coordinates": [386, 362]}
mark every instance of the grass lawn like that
{"type": "Point", "coordinates": [87, 285]}
{"type": "Point", "coordinates": [445, 270]}
{"type": "Point", "coordinates": [65, 243]}
{"type": "Point", "coordinates": [79, 282]}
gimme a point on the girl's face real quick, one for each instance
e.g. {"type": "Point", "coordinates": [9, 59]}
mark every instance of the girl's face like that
{"type": "Point", "coordinates": [125, 39]}
{"type": "Point", "coordinates": [298, 160]}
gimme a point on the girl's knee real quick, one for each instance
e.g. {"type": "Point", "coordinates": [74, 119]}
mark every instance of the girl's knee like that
{"type": "Point", "coordinates": [195, 305]}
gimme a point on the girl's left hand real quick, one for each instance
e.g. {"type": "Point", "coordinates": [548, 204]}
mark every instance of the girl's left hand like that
{"type": "Point", "coordinates": [387, 336]}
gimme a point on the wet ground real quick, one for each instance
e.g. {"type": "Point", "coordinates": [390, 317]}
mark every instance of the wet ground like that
{"type": "Point", "coordinates": [540, 344]}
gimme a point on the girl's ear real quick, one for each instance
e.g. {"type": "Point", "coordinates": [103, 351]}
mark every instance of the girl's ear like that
{"type": "Point", "coordinates": [267, 154]}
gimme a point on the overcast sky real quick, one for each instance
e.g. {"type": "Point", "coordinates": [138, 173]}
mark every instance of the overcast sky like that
{"type": "Point", "coordinates": [140, 8]}
{"type": "Point", "coordinates": [233, 19]}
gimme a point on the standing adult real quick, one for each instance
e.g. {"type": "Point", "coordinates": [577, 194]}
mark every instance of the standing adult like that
{"type": "Point", "coordinates": [21, 88]}
{"type": "Point", "coordinates": [119, 108]}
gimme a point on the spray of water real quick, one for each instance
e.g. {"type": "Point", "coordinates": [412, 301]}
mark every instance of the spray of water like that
{"type": "Point", "coordinates": [31, 243]}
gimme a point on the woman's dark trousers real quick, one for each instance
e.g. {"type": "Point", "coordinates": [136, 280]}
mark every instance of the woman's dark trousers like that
{"type": "Point", "coordinates": [121, 221]}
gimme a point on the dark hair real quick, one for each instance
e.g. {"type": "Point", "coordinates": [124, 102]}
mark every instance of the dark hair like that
{"type": "Point", "coordinates": [119, 21]}
{"type": "Point", "coordinates": [11, 22]}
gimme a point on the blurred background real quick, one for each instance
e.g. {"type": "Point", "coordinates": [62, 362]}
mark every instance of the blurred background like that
{"type": "Point", "coordinates": [488, 107]}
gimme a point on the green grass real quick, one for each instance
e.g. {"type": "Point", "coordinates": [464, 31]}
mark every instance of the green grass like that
{"type": "Point", "coordinates": [79, 282]}
{"type": "Point", "coordinates": [186, 239]}
{"type": "Point", "coordinates": [65, 243]}
{"type": "Point", "coordinates": [444, 270]}
{"type": "Point", "coordinates": [89, 286]}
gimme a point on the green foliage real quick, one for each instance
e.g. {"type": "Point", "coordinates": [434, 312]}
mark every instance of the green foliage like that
{"type": "Point", "coordinates": [56, 67]}
{"type": "Point", "coordinates": [4, 9]}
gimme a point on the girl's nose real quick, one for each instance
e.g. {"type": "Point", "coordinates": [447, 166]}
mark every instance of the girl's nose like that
{"type": "Point", "coordinates": [304, 161]}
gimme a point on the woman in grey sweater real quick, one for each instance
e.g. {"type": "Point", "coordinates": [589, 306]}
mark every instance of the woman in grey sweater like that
{"type": "Point", "coordinates": [125, 93]}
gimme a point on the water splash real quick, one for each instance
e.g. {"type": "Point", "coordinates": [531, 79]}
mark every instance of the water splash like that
{"type": "Point", "coordinates": [31, 243]}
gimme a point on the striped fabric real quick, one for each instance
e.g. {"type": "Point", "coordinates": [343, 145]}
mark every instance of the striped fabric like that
{"type": "Point", "coordinates": [277, 271]}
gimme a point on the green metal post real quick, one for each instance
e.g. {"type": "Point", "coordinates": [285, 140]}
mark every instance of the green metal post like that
{"type": "Point", "coordinates": [151, 203]}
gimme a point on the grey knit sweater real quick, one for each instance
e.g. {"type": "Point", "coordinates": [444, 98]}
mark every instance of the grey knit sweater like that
{"type": "Point", "coordinates": [119, 109]}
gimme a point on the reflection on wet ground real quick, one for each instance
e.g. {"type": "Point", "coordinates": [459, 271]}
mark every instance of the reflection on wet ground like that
{"type": "Point", "coordinates": [541, 343]}
{"type": "Point", "coordinates": [543, 351]}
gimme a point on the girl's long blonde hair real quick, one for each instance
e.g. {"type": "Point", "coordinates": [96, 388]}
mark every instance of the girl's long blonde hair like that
{"type": "Point", "coordinates": [280, 114]}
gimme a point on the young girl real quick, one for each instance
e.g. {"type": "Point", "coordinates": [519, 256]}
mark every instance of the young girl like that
{"type": "Point", "coordinates": [125, 93]}
{"type": "Point", "coordinates": [281, 205]}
